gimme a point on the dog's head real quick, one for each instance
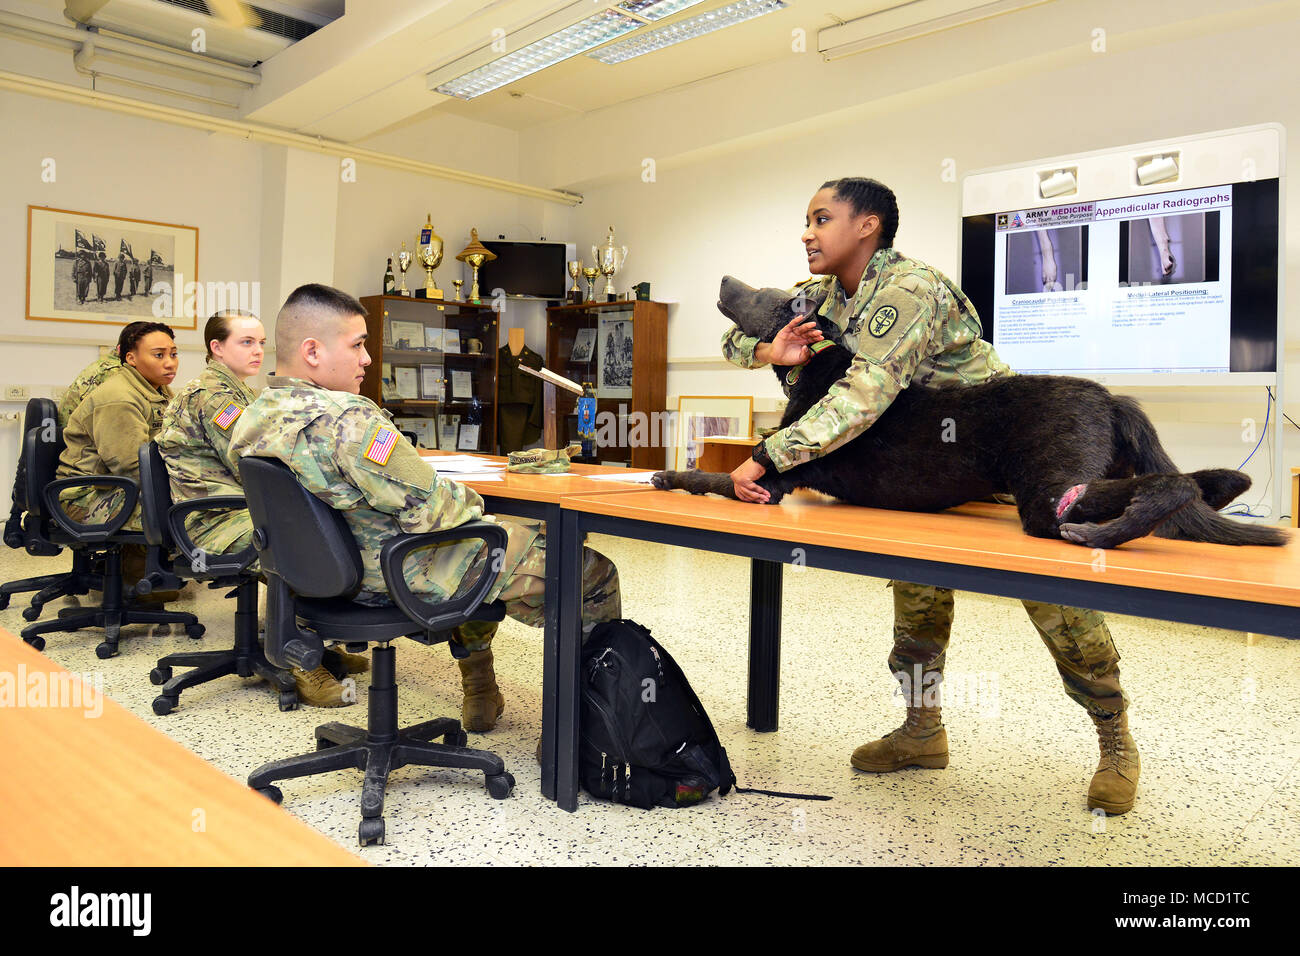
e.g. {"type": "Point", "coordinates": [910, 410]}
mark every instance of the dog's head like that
{"type": "Point", "coordinates": [763, 312]}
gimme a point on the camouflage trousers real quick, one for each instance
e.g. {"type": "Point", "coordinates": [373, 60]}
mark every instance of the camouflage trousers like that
{"type": "Point", "coordinates": [522, 584]}
{"type": "Point", "coordinates": [1078, 641]}
{"type": "Point", "coordinates": [95, 506]}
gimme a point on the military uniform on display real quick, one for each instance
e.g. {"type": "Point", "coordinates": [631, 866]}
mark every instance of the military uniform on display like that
{"type": "Point", "coordinates": [908, 323]}
{"type": "Point", "coordinates": [194, 441]}
{"type": "Point", "coordinates": [87, 380]}
{"type": "Point", "coordinates": [346, 452]}
{"type": "Point", "coordinates": [103, 437]}
{"type": "Point", "coordinates": [519, 399]}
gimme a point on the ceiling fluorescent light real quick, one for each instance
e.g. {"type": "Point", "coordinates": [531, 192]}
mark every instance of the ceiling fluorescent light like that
{"type": "Point", "coordinates": [689, 29]}
{"type": "Point", "coordinates": [550, 49]}
{"type": "Point", "coordinates": [906, 21]}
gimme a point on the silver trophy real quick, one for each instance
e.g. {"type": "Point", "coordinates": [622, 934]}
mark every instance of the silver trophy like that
{"type": "Point", "coordinates": [610, 259]}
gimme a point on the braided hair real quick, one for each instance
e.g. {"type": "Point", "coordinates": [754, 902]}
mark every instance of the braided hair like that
{"type": "Point", "coordinates": [133, 333]}
{"type": "Point", "coordinates": [869, 197]}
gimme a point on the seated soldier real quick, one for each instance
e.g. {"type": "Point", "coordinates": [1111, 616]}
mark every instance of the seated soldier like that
{"type": "Point", "coordinates": [349, 454]}
{"type": "Point", "coordinates": [193, 440]}
{"type": "Point", "coordinates": [104, 434]}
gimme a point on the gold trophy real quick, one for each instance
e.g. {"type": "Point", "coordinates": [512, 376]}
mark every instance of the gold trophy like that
{"type": "Point", "coordinates": [610, 258]}
{"type": "Point", "coordinates": [403, 263]}
{"type": "Point", "coordinates": [590, 273]}
{"type": "Point", "coordinates": [430, 253]}
{"type": "Point", "coordinates": [475, 254]}
{"type": "Point", "coordinates": [458, 283]}
{"type": "Point", "coordinates": [575, 270]}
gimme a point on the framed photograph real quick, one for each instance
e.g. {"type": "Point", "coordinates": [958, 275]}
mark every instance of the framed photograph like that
{"type": "Point", "coordinates": [83, 267]}
{"type": "Point", "coordinates": [431, 383]}
{"type": "Point", "coordinates": [451, 340]}
{"type": "Point", "coordinates": [468, 438]}
{"type": "Point", "coordinates": [408, 383]}
{"type": "Point", "coordinates": [614, 361]}
{"type": "Point", "coordinates": [584, 345]}
{"type": "Point", "coordinates": [412, 333]}
{"type": "Point", "coordinates": [702, 416]}
{"type": "Point", "coordinates": [433, 338]}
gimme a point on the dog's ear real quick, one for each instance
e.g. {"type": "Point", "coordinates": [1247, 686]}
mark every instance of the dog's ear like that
{"type": "Point", "coordinates": [802, 303]}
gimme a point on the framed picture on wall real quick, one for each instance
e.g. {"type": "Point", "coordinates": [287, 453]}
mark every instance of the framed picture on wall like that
{"type": "Point", "coordinates": [84, 267]}
{"type": "Point", "coordinates": [614, 359]}
{"type": "Point", "coordinates": [705, 416]}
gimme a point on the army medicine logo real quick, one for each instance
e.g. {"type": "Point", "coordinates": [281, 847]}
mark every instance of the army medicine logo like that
{"type": "Point", "coordinates": [1002, 220]}
{"type": "Point", "coordinates": [882, 321]}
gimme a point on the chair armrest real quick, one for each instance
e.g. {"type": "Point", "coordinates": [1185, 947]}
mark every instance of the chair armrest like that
{"type": "Point", "coordinates": [199, 560]}
{"type": "Point", "coordinates": [443, 615]}
{"type": "Point", "coordinates": [91, 532]}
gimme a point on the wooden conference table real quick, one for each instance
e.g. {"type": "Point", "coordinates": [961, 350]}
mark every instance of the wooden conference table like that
{"type": "Point", "coordinates": [977, 547]}
{"type": "Point", "coordinates": [90, 784]}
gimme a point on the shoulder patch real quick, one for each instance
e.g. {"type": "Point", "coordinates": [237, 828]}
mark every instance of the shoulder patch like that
{"type": "Point", "coordinates": [226, 417]}
{"type": "Point", "coordinates": [882, 320]}
{"type": "Point", "coordinates": [381, 445]}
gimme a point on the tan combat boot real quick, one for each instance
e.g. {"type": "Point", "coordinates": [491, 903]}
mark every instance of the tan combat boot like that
{"type": "Point", "coordinates": [484, 702]}
{"type": "Point", "coordinates": [1114, 785]}
{"type": "Point", "coordinates": [920, 742]}
{"type": "Point", "coordinates": [318, 688]}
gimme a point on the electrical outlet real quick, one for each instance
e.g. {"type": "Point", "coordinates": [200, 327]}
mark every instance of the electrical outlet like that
{"type": "Point", "coordinates": [16, 393]}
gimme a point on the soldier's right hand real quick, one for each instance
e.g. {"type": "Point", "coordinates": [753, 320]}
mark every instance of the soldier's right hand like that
{"type": "Point", "coordinates": [790, 346]}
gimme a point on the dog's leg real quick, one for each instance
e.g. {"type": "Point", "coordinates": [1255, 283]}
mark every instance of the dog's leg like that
{"type": "Point", "coordinates": [696, 482]}
{"type": "Point", "coordinates": [1220, 486]}
{"type": "Point", "coordinates": [1135, 506]}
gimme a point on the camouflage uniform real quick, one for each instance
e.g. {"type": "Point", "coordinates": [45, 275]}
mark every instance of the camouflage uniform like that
{"type": "Point", "coordinates": [87, 380]}
{"type": "Point", "coordinates": [910, 323]}
{"type": "Point", "coordinates": [347, 453]}
{"type": "Point", "coordinates": [194, 440]}
{"type": "Point", "coordinates": [103, 437]}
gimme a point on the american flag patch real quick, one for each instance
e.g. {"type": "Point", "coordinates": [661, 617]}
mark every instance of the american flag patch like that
{"type": "Point", "coordinates": [226, 417]}
{"type": "Point", "coordinates": [381, 446]}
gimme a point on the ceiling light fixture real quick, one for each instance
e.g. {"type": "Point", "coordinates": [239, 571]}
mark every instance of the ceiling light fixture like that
{"type": "Point", "coordinates": [688, 29]}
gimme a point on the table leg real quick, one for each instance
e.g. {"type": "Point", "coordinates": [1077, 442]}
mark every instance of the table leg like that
{"type": "Point", "coordinates": [764, 644]}
{"type": "Point", "coordinates": [569, 591]}
{"type": "Point", "coordinates": [551, 646]}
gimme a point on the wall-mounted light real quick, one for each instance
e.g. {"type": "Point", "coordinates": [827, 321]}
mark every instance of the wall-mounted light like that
{"type": "Point", "coordinates": [1058, 182]}
{"type": "Point", "coordinates": [1161, 168]}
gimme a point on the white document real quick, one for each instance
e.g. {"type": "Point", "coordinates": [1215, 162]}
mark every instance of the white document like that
{"type": "Point", "coordinates": [468, 438]}
{"type": "Point", "coordinates": [462, 386]}
{"type": "Point", "coordinates": [635, 477]}
{"type": "Point", "coordinates": [408, 383]}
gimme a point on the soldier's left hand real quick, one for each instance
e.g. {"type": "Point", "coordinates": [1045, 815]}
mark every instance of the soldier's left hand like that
{"type": "Point", "coordinates": [745, 479]}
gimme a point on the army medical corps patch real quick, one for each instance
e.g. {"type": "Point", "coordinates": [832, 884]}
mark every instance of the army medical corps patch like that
{"type": "Point", "coordinates": [883, 320]}
{"type": "Point", "coordinates": [226, 417]}
{"type": "Point", "coordinates": [381, 446]}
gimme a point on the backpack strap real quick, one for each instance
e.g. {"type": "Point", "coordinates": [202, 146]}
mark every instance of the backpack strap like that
{"type": "Point", "coordinates": [777, 793]}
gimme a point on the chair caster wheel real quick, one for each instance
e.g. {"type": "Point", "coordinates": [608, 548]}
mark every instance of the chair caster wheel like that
{"type": "Point", "coordinates": [271, 793]}
{"type": "Point", "coordinates": [31, 613]}
{"type": "Point", "coordinates": [164, 705]}
{"type": "Point", "coordinates": [289, 701]}
{"type": "Point", "coordinates": [500, 785]}
{"type": "Point", "coordinates": [194, 631]}
{"type": "Point", "coordinates": [160, 675]}
{"type": "Point", "coordinates": [35, 643]}
{"type": "Point", "coordinates": [455, 739]}
{"type": "Point", "coordinates": [105, 650]}
{"type": "Point", "coordinates": [371, 831]}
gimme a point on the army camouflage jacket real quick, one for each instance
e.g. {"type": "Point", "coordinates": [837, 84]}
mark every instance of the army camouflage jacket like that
{"type": "Point", "coordinates": [907, 322]}
{"type": "Point", "coordinates": [194, 439]}
{"type": "Point", "coordinates": [87, 380]}
{"type": "Point", "coordinates": [346, 452]}
{"type": "Point", "coordinates": [104, 434]}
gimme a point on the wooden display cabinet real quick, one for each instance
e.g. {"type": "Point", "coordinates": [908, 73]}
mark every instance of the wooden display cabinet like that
{"type": "Point", "coordinates": [434, 317]}
{"type": "Point", "coordinates": [644, 451]}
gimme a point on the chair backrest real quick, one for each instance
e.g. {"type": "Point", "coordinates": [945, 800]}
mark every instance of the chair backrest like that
{"type": "Point", "coordinates": [42, 446]}
{"type": "Point", "coordinates": [155, 496]}
{"type": "Point", "coordinates": [298, 537]}
{"type": "Point", "coordinates": [40, 412]}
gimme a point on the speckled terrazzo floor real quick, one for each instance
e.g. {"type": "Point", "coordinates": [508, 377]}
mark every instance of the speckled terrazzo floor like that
{"type": "Point", "coordinates": [1216, 721]}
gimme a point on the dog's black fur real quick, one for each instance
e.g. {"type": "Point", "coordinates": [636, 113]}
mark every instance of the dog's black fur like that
{"type": "Point", "coordinates": [1036, 437]}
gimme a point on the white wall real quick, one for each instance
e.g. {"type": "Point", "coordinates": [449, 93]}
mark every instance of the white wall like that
{"type": "Point", "coordinates": [739, 156]}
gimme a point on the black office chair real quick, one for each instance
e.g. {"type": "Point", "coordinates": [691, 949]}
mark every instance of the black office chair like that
{"type": "Point", "coordinates": [101, 541]}
{"type": "Point", "coordinates": [32, 533]}
{"type": "Point", "coordinates": [312, 568]}
{"type": "Point", "coordinates": [164, 528]}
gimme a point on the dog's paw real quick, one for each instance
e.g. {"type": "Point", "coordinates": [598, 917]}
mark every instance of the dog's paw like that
{"type": "Point", "coordinates": [662, 480]}
{"type": "Point", "coordinates": [1085, 534]}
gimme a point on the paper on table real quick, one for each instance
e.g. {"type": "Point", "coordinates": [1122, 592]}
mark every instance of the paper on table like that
{"type": "Point", "coordinates": [635, 477]}
{"type": "Point", "coordinates": [472, 476]}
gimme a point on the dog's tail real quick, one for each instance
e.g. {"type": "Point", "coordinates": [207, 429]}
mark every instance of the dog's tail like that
{"type": "Point", "coordinates": [1139, 443]}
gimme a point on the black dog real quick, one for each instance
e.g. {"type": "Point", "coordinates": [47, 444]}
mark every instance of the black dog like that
{"type": "Point", "coordinates": [1083, 464]}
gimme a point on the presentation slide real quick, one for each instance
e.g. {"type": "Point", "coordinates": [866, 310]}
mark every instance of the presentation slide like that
{"type": "Point", "coordinates": [1139, 284]}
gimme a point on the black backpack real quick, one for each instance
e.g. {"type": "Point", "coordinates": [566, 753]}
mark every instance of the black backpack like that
{"type": "Point", "coordinates": [646, 740]}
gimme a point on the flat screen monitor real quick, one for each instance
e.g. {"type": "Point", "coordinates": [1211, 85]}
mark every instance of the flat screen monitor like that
{"type": "Point", "coordinates": [1175, 283]}
{"type": "Point", "coordinates": [534, 269]}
